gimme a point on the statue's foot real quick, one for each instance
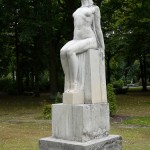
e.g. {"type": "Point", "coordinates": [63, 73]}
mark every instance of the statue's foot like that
{"type": "Point", "coordinates": [67, 91]}
{"type": "Point", "coordinates": [67, 87]}
{"type": "Point", "coordinates": [74, 87]}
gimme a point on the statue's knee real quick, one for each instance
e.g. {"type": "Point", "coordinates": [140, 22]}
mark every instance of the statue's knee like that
{"type": "Point", "coordinates": [70, 53]}
{"type": "Point", "coordinates": [63, 54]}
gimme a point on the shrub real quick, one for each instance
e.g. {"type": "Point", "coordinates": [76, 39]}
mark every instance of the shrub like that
{"type": "Point", "coordinates": [111, 98]}
{"type": "Point", "coordinates": [47, 111]}
{"type": "Point", "coordinates": [118, 87]}
{"type": "Point", "coordinates": [58, 98]}
{"type": "Point", "coordinates": [121, 90]}
{"type": "Point", "coordinates": [118, 84]}
{"type": "Point", "coordinates": [7, 85]}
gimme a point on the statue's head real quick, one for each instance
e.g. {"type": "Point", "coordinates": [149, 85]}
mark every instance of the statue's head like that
{"type": "Point", "coordinates": [87, 2]}
{"type": "Point", "coordinates": [90, 2]}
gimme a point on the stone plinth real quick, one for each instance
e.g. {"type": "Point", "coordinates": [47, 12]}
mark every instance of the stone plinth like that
{"type": "Point", "coordinates": [73, 98]}
{"type": "Point", "coordinates": [112, 142]}
{"type": "Point", "coordinates": [92, 89]}
{"type": "Point", "coordinates": [80, 123]}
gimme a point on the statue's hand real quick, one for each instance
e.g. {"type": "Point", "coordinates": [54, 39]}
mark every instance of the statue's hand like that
{"type": "Point", "coordinates": [102, 52]}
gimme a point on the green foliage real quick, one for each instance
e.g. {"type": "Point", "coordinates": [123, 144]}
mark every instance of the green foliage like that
{"type": "Point", "coordinates": [58, 98]}
{"type": "Point", "coordinates": [32, 32]}
{"type": "Point", "coordinates": [7, 85]}
{"type": "Point", "coordinates": [134, 72]}
{"type": "Point", "coordinates": [126, 28]}
{"type": "Point", "coordinates": [118, 87]}
{"type": "Point", "coordinates": [111, 98]}
{"type": "Point", "coordinates": [118, 84]}
{"type": "Point", "coordinates": [47, 111]}
{"type": "Point", "coordinates": [44, 82]}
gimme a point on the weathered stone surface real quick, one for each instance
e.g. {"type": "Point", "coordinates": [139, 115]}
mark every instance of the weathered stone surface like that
{"type": "Point", "coordinates": [80, 123]}
{"type": "Point", "coordinates": [73, 98]}
{"type": "Point", "coordinates": [92, 84]}
{"type": "Point", "coordinates": [112, 142]}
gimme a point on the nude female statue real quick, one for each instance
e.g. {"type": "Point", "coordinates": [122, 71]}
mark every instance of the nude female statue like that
{"type": "Point", "coordinates": [87, 35]}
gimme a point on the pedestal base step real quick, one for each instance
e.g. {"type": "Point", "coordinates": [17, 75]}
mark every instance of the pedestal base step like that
{"type": "Point", "coordinates": [112, 142]}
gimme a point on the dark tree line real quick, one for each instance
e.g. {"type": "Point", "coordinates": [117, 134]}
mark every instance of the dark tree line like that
{"type": "Point", "coordinates": [33, 31]}
{"type": "Point", "coordinates": [127, 28]}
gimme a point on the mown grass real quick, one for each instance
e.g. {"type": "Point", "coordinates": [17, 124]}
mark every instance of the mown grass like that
{"type": "Point", "coordinates": [136, 129]}
{"type": "Point", "coordinates": [21, 135]}
{"type": "Point", "coordinates": [133, 138]}
{"type": "Point", "coordinates": [134, 104]}
{"type": "Point", "coordinates": [140, 121]}
{"type": "Point", "coordinates": [22, 123]}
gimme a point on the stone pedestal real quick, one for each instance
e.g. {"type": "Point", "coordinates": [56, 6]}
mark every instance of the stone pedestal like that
{"type": "Point", "coordinates": [80, 127]}
{"type": "Point", "coordinates": [80, 123]}
{"type": "Point", "coordinates": [112, 142]}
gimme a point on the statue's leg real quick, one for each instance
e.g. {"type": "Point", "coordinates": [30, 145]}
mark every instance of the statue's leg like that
{"type": "Point", "coordinates": [65, 66]}
{"type": "Point", "coordinates": [78, 46]}
{"type": "Point", "coordinates": [73, 68]}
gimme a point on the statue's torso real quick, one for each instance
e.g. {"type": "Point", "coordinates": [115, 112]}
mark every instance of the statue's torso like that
{"type": "Point", "coordinates": [83, 20]}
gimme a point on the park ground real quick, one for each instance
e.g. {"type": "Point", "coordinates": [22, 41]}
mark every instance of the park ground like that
{"type": "Point", "coordinates": [22, 123]}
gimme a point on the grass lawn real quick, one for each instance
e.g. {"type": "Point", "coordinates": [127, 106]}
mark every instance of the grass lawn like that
{"type": "Point", "coordinates": [22, 124]}
{"type": "Point", "coordinates": [136, 129]}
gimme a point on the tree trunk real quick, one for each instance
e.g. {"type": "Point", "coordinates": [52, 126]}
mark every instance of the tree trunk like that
{"type": "Point", "coordinates": [143, 72]}
{"type": "Point", "coordinates": [53, 69]}
{"type": "Point", "coordinates": [18, 67]}
{"type": "Point", "coordinates": [36, 88]}
{"type": "Point", "coordinates": [32, 78]}
{"type": "Point", "coordinates": [37, 48]}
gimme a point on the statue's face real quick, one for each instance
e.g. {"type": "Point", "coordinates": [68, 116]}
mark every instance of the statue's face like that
{"type": "Point", "coordinates": [83, 1]}
{"type": "Point", "coordinates": [87, 2]}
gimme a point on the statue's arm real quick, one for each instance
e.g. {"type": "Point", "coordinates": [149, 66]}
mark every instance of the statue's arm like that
{"type": "Point", "coordinates": [99, 34]}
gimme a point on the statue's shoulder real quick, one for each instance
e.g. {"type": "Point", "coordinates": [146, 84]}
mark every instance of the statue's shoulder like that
{"type": "Point", "coordinates": [97, 11]}
{"type": "Point", "coordinates": [96, 8]}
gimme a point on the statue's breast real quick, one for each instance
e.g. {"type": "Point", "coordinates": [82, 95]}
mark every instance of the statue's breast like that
{"type": "Point", "coordinates": [83, 12]}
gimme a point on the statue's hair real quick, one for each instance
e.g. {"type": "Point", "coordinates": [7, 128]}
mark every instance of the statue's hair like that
{"type": "Point", "coordinates": [89, 2]}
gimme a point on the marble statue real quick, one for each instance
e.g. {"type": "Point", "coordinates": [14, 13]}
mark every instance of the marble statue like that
{"type": "Point", "coordinates": [85, 122]}
{"type": "Point", "coordinates": [87, 35]}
